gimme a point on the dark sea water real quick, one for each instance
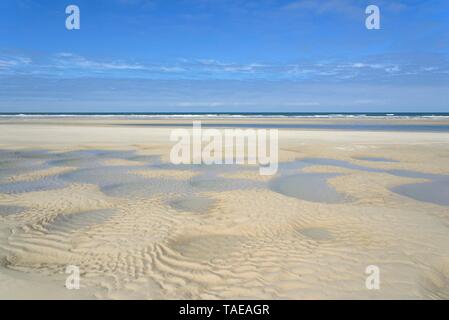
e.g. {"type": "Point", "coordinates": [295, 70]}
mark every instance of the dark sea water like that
{"type": "Point", "coordinates": [236, 114]}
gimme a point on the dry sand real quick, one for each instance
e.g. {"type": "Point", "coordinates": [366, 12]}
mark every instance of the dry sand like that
{"type": "Point", "coordinates": [134, 231]}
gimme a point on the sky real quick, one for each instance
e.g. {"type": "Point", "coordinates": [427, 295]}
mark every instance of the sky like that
{"type": "Point", "coordinates": [224, 55]}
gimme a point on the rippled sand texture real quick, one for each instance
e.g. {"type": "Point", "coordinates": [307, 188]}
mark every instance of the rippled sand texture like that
{"type": "Point", "coordinates": [108, 201]}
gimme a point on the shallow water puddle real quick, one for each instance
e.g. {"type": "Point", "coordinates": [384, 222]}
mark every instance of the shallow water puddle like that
{"type": "Point", "coordinates": [196, 204]}
{"type": "Point", "coordinates": [75, 221]}
{"type": "Point", "coordinates": [118, 181]}
{"type": "Point", "coordinates": [146, 187]}
{"type": "Point", "coordinates": [44, 184]}
{"type": "Point", "coordinates": [436, 192]}
{"type": "Point", "coordinates": [6, 210]}
{"type": "Point", "coordinates": [88, 158]}
{"type": "Point", "coordinates": [19, 162]}
{"type": "Point", "coordinates": [309, 187]}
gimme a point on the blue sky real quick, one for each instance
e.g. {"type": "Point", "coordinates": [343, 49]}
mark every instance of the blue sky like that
{"type": "Point", "coordinates": [217, 55]}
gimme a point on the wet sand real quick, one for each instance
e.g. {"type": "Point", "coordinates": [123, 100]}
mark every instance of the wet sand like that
{"type": "Point", "coordinates": [101, 194]}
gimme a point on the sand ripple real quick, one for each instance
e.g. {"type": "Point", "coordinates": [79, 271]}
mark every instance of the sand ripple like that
{"type": "Point", "coordinates": [152, 231]}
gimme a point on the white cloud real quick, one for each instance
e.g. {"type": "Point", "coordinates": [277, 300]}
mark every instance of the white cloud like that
{"type": "Point", "coordinates": [72, 65]}
{"type": "Point", "coordinates": [64, 60]}
{"type": "Point", "coordinates": [10, 61]}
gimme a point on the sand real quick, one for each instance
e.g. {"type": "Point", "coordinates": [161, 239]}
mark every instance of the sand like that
{"type": "Point", "coordinates": [99, 194]}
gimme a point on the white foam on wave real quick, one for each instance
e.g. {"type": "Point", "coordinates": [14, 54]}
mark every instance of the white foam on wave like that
{"type": "Point", "coordinates": [229, 115]}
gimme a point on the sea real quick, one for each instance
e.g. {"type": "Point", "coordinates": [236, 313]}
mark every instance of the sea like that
{"type": "Point", "coordinates": [406, 115]}
{"type": "Point", "coordinates": [384, 123]}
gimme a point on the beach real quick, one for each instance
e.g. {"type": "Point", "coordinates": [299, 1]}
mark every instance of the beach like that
{"type": "Point", "coordinates": [101, 194]}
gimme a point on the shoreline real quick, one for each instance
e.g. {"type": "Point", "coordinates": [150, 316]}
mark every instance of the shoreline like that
{"type": "Point", "coordinates": [117, 120]}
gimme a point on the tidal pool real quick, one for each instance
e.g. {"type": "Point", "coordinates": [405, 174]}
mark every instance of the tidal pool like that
{"type": "Point", "coordinates": [6, 210]}
{"type": "Point", "coordinates": [436, 192]}
{"type": "Point", "coordinates": [71, 222]}
{"type": "Point", "coordinates": [196, 204]}
{"type": "Point", "coordinates": [309, 187]}
{"type": "Point", "coordinates": [314, 188]}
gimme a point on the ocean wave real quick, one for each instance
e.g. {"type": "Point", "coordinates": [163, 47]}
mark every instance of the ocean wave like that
{"type": "Point", "coordinates": [229, 115]}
